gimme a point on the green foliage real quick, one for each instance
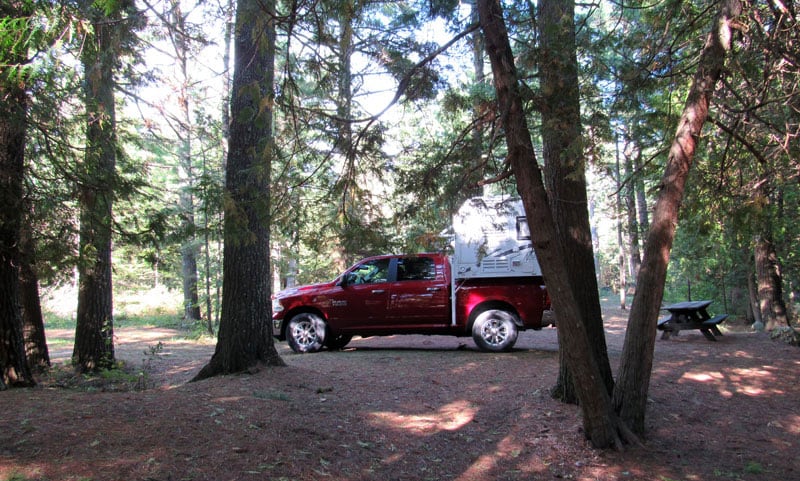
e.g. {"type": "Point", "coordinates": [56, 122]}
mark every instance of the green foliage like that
{"type": "Point", "coordinates": [272, 395]}
{"type": "Point", "coordinates": [118, 378]}
{"type": "Point", "coordinates": [640, 80]}
{"type": "Point", "coordinates": [55, 321]}
{"type": "Point", "coordinates": [443, 8]}
{"type": "Point", "coordinates": [753, 467]}
{"type": "Point", "coordinates": [334, 184]}
{"type": "Point", "coordinates": [114, 376]}
{"type": "Point", "coordinates": [17, 477]}
{"type": "Point", "coordinates": [108, 7]}
{"type": "Point", "coordinates": [346, 185]}
{"type": "Point", "coordinates": [741, 185]}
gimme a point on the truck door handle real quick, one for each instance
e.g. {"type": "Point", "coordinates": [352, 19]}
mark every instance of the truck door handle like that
{"type": "Point", "coordinates": [378, 291]}
{"type": "Point", "coordinates": [433, 289]}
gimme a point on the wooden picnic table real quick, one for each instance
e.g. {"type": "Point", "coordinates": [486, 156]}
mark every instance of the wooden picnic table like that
{"type": "Point", "coordinates": [690, 315]}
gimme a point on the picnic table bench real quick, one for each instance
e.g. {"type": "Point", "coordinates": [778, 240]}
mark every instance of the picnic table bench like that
{"type": "Point", "coordinates": [690, 315]}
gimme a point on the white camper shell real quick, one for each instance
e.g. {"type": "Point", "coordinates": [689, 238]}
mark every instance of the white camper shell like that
{"type": "Point", "coordinates": [492, 239]}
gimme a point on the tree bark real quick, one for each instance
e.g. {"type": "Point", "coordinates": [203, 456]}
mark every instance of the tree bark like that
{"type": "Point", "coordinates": [770, 284]}
{"type": "Point", "coordinates": [633, 380]}
{"type": "Point", "coordinates": [189, 247]}
{"type": "Point", "coordinates": [94, 329]}
{"type": "Point", "coordinates": [14, 370]}
{"type": "Point", "coordinates": [477, 168]}
{"type": "Point", "coordinates": [621, 256]}
{"type": "Point", "coordinates": [753, 311]}
{"type": "Point", "coordinates": [212, 319]}
{"type": "Point", "coordinates": [599, 421]}
{"type": "Point", "coordinates": [769, 280]}
{"type": "Point", "coordinates": [634, 254]}
{"type": "Point", "coordinates": [245, 331]}
{"type": "Point", "coordinates": [36, 350]}
{"type": "Point", "coordinates": [641, 199]}
{"type": "Point", "coordinates": [564, 169]}
{"type": "Point", "coordinates": [191, 300]}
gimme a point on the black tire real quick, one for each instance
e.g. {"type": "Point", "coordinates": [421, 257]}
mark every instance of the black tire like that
{"type": "Point", "coordinates": [337, 342]}
{"type": "Point", "coordinates": [495, 330]}
{"type": "Point", "coordinates": [306, 333]}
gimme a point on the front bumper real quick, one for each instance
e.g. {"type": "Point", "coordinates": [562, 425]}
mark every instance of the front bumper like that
{"type": "Point", "coordinates": [277, 329]}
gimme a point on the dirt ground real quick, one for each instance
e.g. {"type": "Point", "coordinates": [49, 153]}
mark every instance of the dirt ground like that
{"type": "Point", "coordinates": [405, 408]}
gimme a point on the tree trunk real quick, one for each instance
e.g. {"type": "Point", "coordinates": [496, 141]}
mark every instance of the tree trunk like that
{"type": "Point", "coordinates": [634, 254]}
{"type": "Point", "coordinates": [621, 258]}
{"type": "Point", "coordinates": [768, 270]}
{"type": "Point", "coordinates": [189, 251]}
{"type": "Point", "coordinates": [14, 370]}
{"type": "Point", "coordinates": [212, 315]}
{"type": "Point", "coordinates": [189, 248]}
{"type": "Point", "coordinates": [36, 351]}
{"type": "Point", "coordinates": [770, 284]}
{"type": "Point", "coordinates": [94, 330]}
{"type": "Point", "coordinates": [345, 142]}
{"type": "Point", "coordinates": [476, 169]}
{"type": "Point", "coordinates": [599, 422]}
{"type": "Point", "coordinates": [245, 331]}
{"type": "Point", "coordinates": [32, 322]}
{"type": "Point", "coordinates": [753, 311]}
{"type": "Point", "coordinates": [633, 380]}
{"type": "Point", "coordinates": [641, 199]}
{"type": "Point", "coordinates": [562, 146]}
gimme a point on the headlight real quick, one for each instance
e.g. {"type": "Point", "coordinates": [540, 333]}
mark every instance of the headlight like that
{"type": "Point", "coordinates": [276, 306]}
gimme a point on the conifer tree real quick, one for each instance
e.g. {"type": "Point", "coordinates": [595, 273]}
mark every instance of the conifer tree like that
{"type": "Point", "coordinates": [245, 331]}
{"type": "Point", "coordinates": [15, 18]}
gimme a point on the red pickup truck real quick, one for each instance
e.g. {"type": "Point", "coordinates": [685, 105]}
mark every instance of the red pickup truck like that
{"type": "Point", "coordinates": [408, 294]}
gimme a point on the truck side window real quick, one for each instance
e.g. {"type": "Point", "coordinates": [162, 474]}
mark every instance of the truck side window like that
{"type": "Point", "coordinates": [370, 272]}
{"type": "Point", "coordinates": [416, 269]}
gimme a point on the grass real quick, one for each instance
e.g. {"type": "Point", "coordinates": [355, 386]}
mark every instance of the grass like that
{"type": "Point", "coordinates": [55, 321]}
{"type": "Point", "coordinates": [16, 477]}
{"type": "Point", "coordinates": [151, 308]}
{"type": "Point", "coordinates": [142, 309]}
{"type": "Point", "coordinates": [753, 468]}
{"type": "Point", "coordinates": [123, 319]}
{"type": "Point", "coordinates": [169, 320]}
{"type": "Point", "coordinates": [123, 377]}
{"type": "Point", "coordinates": [58, 342]}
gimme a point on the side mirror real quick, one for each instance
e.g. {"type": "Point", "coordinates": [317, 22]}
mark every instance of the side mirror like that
{"type": "Point", "coordinates": [346, 280]}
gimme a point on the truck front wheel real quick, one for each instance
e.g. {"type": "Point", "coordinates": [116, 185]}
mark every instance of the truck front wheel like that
{"type": "Point", "coordinates": [306, 333]}
{"type": "Point", "coordinates": [337, 342]}
{"type": "Point", "coordinates": [494, 330]}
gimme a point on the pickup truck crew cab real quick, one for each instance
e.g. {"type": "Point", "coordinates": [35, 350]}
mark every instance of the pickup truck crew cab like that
{"type": "Point", "coordinates": [489, 289]}
{"type": "Point", "coordinates": [408, 294]}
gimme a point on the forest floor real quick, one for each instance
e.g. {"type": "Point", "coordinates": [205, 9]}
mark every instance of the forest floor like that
{"type": "Point", "coordinates": [402, 408]}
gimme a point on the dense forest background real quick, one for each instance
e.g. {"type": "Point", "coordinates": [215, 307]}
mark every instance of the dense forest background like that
{"type": "Point", "coordinates": [383, 125]}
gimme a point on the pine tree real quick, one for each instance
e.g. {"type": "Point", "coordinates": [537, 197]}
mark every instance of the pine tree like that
{"type": "Point", "coordinates": [111, 24]}
{"type": "Point", "coordinates": [245, 332]}
{"type": "Point", "coordinates": [15, 17]}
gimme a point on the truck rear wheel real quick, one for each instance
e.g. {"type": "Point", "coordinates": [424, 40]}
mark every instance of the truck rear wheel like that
{"type": "Point", "coordinates": [306, 333]}
{"type": "Point", "coordinates": [495, 330]}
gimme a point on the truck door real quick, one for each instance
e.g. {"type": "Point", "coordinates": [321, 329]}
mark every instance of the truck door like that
{"type": "Point", "coordinates": [364, 295]}
{"type": "Point", "coordinates": [419, 296]}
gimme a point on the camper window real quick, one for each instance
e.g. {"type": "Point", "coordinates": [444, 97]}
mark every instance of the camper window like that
{"type": "Point", "coordinates": [523, 231]}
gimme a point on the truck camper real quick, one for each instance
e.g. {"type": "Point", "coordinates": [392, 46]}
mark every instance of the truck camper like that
{"type": "Point", "coordinates": [490, 288]}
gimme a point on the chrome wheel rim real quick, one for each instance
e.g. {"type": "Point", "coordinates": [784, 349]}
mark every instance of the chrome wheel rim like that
{"type": "Point", "coordinates": [495, 331]}
{"type": "Point", "coordinates": [306, 332]}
